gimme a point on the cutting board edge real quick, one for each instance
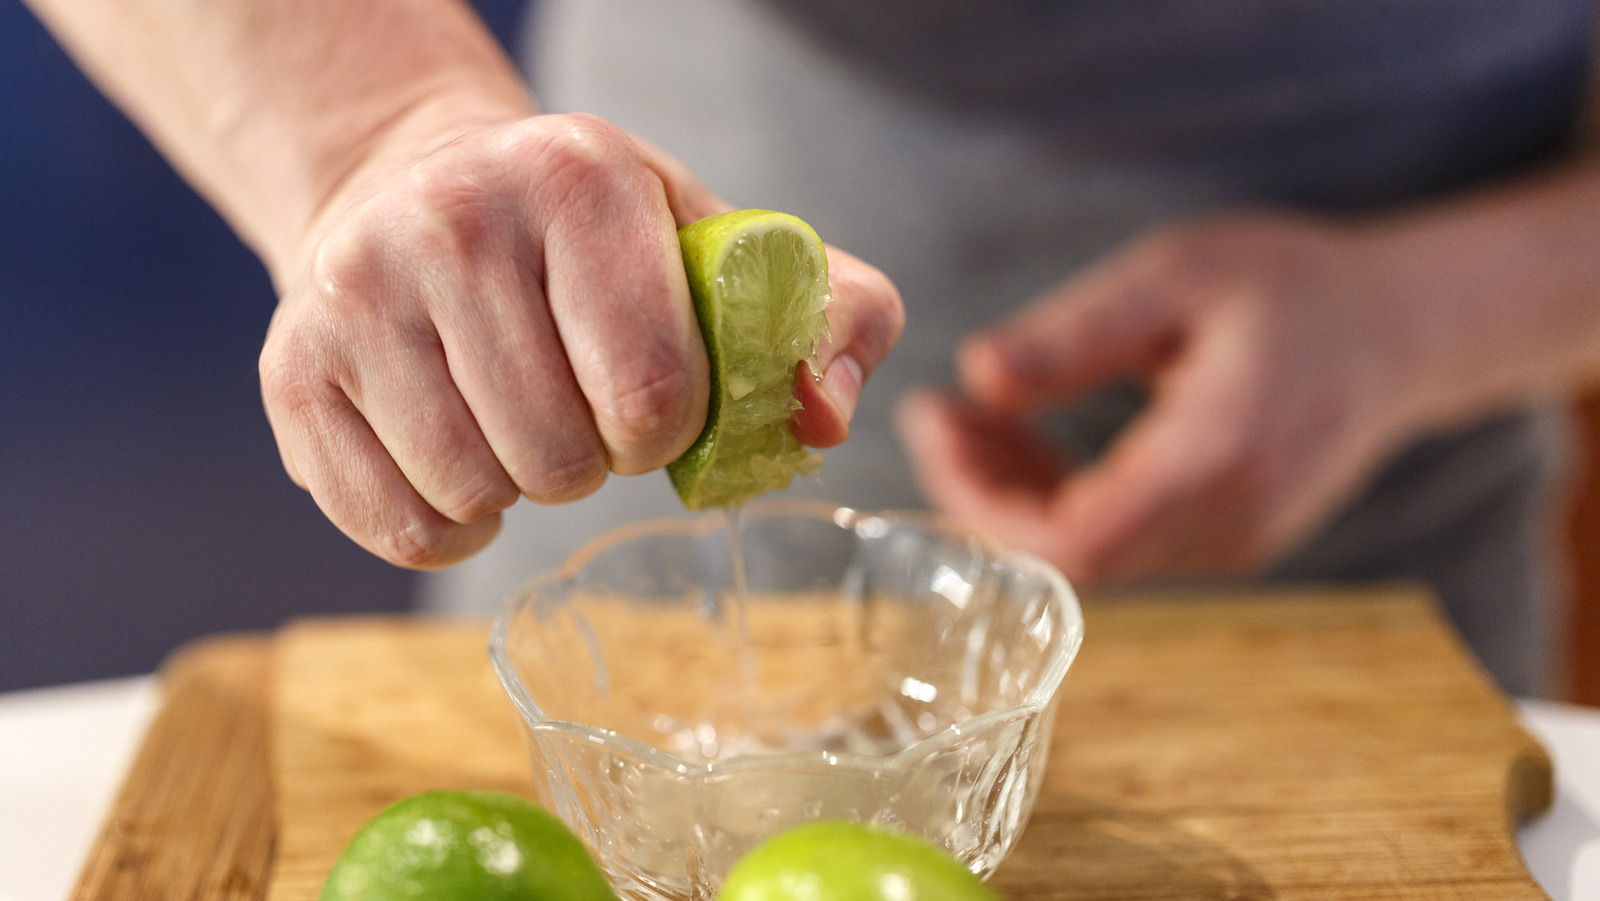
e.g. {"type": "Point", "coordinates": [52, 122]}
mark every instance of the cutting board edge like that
{"type": "Point", "coordinates": [212, 690]}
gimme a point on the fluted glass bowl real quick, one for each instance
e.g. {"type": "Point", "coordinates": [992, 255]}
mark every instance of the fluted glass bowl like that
{"type": "Point", "coordinates": [880, 667]}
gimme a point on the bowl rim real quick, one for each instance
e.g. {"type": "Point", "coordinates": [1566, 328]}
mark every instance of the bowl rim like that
{"type": "Point", "coordinates": [1041, 697]}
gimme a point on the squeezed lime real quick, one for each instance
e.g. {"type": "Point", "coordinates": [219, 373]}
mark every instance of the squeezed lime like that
{"type": "Point", "coordinates": [759, 280]}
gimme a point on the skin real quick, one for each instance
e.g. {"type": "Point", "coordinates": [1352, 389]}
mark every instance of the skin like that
{"type": "Point", "coordinates": [477, 302]}
{"type": "Point", "coordinates": [1287, 358]}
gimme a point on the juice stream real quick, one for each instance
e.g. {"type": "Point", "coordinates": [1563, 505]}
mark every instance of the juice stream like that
{"type": "Point", "coordinates": [738, 604]}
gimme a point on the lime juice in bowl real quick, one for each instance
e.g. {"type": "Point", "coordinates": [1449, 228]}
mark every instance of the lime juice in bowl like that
{"type": "Point", "coordinates": [892, 669]}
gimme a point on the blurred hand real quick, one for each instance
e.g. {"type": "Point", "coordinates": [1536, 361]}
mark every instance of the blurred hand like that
{"type": "Point", "coordinates": [503, 313]}
{"type": "Point", "coordinates": [1278, 373]}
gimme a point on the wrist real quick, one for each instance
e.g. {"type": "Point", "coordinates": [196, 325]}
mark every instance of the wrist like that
{"type": "Point", "coordinates": [1494, 295]}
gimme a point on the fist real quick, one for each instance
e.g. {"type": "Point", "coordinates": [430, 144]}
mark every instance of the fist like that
{"type": "Point", "coordinates": [507, 315]}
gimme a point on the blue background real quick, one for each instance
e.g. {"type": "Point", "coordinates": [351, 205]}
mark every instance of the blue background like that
{"type": "Point", "coordinates": [142, 502]}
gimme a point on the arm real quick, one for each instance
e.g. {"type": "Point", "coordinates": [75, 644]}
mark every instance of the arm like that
{"type": "Point", "coordinates": [1288, 358]}
{"type": "Point", "coordinates": [477, 303]}
{"type": "Point", "coordinates": [269, 108]}
{"type": "Point", "coordinates": [1507, 289]}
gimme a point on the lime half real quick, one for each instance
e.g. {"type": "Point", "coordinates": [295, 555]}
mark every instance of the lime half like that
{"type": "Point", "coordinates": [838, 861]}
{"type": "Point", "coordinates": [760, 282]}
{"type": "Point", "coordinates": [465, 846]}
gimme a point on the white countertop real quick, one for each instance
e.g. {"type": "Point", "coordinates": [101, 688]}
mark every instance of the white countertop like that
{"type": "Point", "coordinates": [63, 752]}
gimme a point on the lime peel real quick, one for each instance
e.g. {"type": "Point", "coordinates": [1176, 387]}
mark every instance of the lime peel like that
{"type": "Point", "coordinates": [833, 860]}
{"type": "Point", "coordinates": [465, 846]}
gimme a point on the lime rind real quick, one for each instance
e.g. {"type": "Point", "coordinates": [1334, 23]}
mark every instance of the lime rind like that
{"type": "Point", "coordinates": [833, 860]}
{"type": "Point", "coordinates": [759, 280]}
{"type": "Point", "coordinates": [469, 845]}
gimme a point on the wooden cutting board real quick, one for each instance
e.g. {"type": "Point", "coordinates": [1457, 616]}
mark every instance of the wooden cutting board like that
{"type": "Point", "coordinates": [1300, 745]}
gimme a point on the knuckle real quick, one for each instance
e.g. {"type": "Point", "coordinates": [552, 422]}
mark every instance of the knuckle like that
{"type": "Point", "coordinates": [656, 406]}
{"type": "Point", "coordinates": [414, 544]}
{"type": "Point", "coordinates": [293, 376]}
{"type": "Point", "coordinates": [585, 156]}
{"type": "Point", "coordinates": [868, 315]}
{"type": "Point", "coordinates": [348, 264]}
{"type": "Point", "coordinates": [436, 221]}
{"type": "Point", "coordinates": [452, 214]}
{"type": "Point", "coordinates": [563, 482]}
{"type": "Point", "coordinates": [480, 494]}
{"type": "Point", "coordinates": [277, 372]}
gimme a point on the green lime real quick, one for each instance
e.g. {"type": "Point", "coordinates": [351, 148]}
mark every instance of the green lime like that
{"type": "Point", "coordinates": [465, 846]}
{"type": "Point", "coordinates": [837, 861]}
{"type": "Point", "coordinates": [760, 282]}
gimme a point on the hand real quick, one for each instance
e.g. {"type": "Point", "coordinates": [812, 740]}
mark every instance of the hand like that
{"type": "Point", "coordinates": [1279, 380]}
{"type": "Point", "coordinates": [503, 313]}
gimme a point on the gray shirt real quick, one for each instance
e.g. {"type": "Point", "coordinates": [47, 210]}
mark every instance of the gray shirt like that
{"type": "Point", "coordinates": [981, 152]}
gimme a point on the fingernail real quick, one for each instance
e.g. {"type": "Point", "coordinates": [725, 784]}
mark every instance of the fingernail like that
{"type": "Point", "coordinates": [842, 384]}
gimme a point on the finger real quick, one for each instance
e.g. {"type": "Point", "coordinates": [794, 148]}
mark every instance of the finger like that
{"type": "Point", "coordinates": [511, 368]}
{"type": "Point", "coordinates": [983, 466]}
{"type": "Point", "coordinates": [864, 322]}
{"type": "Point", "coordinates": [827, 402]}
{"type": "Point", "coordinates": [394, 373]}
{"type": "Point", "coordinates": [1166, 499]}
{"type": "Point", "coordinates": [1108, 516]}
{"type": "Point", "coordinates": [402, 386]}
{"type": "Point", "coordinates": [269, 374]}
{"type": "Point", "coordinates": [1118, 321]}
{"type": "Point", "coordinates": [287, 458]}
{"type": "Point", "coordinates": [619, 297]}
{"type": "Point", "coordinates": [353, 479]}
{"type": "Point", "coordinates": [496, 336]}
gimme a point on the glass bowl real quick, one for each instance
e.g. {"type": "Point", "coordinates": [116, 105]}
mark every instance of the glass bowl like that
{"type": "Point", "coordinates": [688, 689]}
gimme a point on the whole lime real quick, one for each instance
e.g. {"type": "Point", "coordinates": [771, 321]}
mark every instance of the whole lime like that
{"type": "Point", "coordinates": [466, 845]}
{"type": "Point", "coordinates": [837, 861]}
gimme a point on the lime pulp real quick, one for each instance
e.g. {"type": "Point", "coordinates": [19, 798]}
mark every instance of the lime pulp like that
{"type": "Point", "coordinates": [759, 280]}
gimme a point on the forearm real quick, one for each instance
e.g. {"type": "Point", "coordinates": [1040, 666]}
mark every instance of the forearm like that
{"type": "Point", "coordinates": [267, 107]}
{"type": "Point", "coordinates": [1502, 292]}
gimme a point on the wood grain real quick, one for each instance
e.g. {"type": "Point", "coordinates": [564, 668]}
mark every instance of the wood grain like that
{"type": "Point", "coordinates": [1295, 746]}
{"type": "Point", "coordinates": [193, 819]}
{"type": "Point", "coordinates": [1311, 747]}
{"type": "Point", "coordinates": [1298, 745]}
{"type": "Point", "coordinates": [371, 711]}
